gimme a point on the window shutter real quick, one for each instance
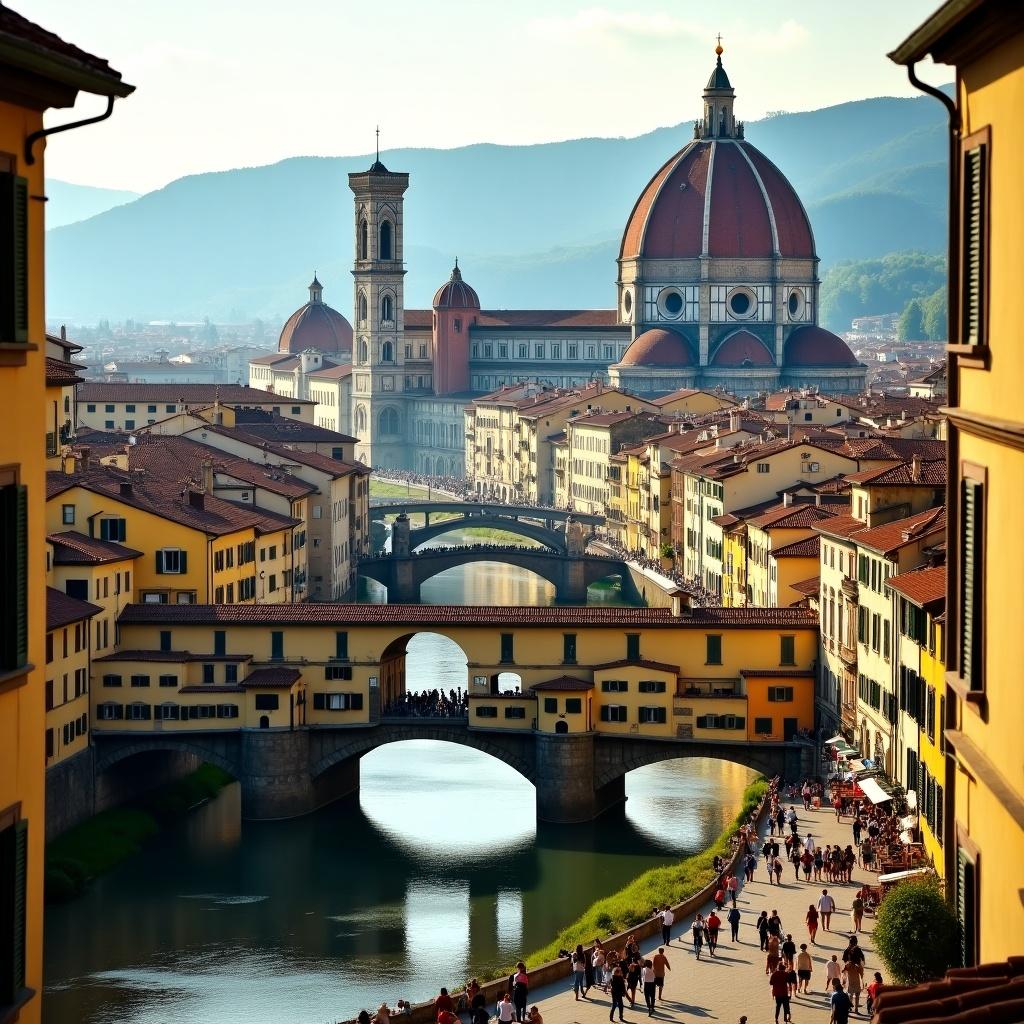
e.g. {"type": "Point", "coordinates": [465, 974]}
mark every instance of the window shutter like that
{"type": "Point", "coordinates": [702, 721]}
{"type": "Point", "coordinates": [13, 258]}
{"type": "Point", "coordinates": [971, 555]}
{"type": "Point", "coordinates": [740, 722]}
{"type": "Point", "coordinates": [939, 813]}
{"type": "Point", "coordinates": [159, 561]}
{"type": "Point", "coordinates": [605, 713]}
{"type": "Point", "coordinates": [965, 906]}
{"type": "Point", "coordinates": [182, 561]}
{"type": "Point", "coordinates": [973, 271]}
{"type": "Point", "coordinates": [14, 558]}
{"type": "Point", "coordinates": [13, 869]}
{"type": "Point", "coordinates": [356, 702]}
{"type": "Point", "coordinates": [319, 701]}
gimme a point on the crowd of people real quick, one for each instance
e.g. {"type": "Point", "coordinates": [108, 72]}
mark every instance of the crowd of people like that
{"type": "Point", "coordinates": [430, 704]}
{"type": "Point", "coordinates": [691, 584]}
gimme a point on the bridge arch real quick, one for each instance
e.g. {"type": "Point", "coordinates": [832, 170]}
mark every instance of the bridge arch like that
{"type": "Point", "coordinates": [219, 750]}
{"type": "Point", "coordinates": [553, 539]}
{"type": "Point", "coordinates": [542, 563]}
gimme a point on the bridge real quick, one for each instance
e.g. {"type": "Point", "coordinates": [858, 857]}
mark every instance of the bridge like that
{"type": "Point", "coordinates": [544, 525]}
{"type": "Point", "coordinates": [289, 773]}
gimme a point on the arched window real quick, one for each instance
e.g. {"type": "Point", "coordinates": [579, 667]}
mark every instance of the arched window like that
{"type": "Point", "coordinates": [384, 252]}
{"type": "Point", "coordinates": [363, 354]}
{"type": "Point", "coordinates": [360, 419]}
{"type": "Point", "coordinates": [389, 422]}
{"type": "Point", "coordinates": [364, 236]}
{"type": "Point", "coordinates": [387, 308]}
{"type": "Point", "coordinates": [387, 352]}
{"type": "Point", "coordinates": [362, 307]}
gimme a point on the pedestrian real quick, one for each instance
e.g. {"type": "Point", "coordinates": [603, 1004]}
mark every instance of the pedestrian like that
{"type": "Point", "coordinates": [579, 972]}
{"type": "Point", "coordinates": [732, 885]}
{"type": "Point", "coordinates": [840, 1004]}
{"type": "Point", "coordinates": [660, 963]}
{"type": "Point", "coordinates": [857, 828]}
{"type": "Point", "coordinates": [762, 929]}
{"type": "Point", "coordinates": [720, 897]}
{"type": "Point", "coordinates": [804, 968]}
{"type": "Point", "coordinates": [789, 950]}
{"type": "Point", "coordinates": [597, 962]}
{"type": "Point", "coordinates": [775, 925]}
{"type": "Point", "coordinates": [506, 1009]}
{"type": "Point", "coordinates": [779, 984]}
{"type": "Point", "coordinates": [520, 991]}
{"type": "Point", "coordinates": [618, 990]}
{"type": "Point", "coordinates": [857, 911]}
{"type": "Point", "coordinates": [714, 923]}
{"type": "Point", "coordinates": [794, 857]}
{"type": "Point", "coordinates": [833, 970]}
{"type": "Point", "coordinates": [853, 971]}
{"type": "Point", "coordinates": [806, 794]}
{"type": "Point", "coordinates": [650, 985]}
{"type": "Point", "coordinates": [812, 921]}
{"type": "Point", "coordinates": [698, 934]}
{"type": "Point", "coordinates": [667, 920]}
{"type": "Point", "coordinates": [819, 862]}
{"type": "Point", "coordinates": [443, 1001]}
{"type": "Point", "coordinates": [777, 868]}
{"type": "Point", "coordinates": [773, 958]}
{"type": "Point", "coordinates": [826, 907]}
{"type": "Point", "coordinates": [748, 867]}
{"type": "Point", "coordinates": [873, 989]}
{"type": "Point", "coordinates": [632, 980]}
{"type": "Point", "coordinates": [807, 862]}
{"type": "Point", "coordinates": [734, 923]}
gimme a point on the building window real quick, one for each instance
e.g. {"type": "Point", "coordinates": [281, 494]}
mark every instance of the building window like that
{"type": "Point", "coordinates": [384, 251]}
{"type": "Point", "coordinates": [515, 711]}
{"type": "Point", "coordinates": [13, 880]}
{"type": "Point", "coordinates": [277, 645]}
{"type": "Point", "coordinates": [763, 726]}
{"type": "Point", "coordinates": [972, 564]}
{"type": "Point", "coordinates": [110, 679]}
{"type": "Point", "coordinates": [139, 681]}
{"type": "Point", "coordinates": [208, 674]}
{"type": "Point", "coordinates": [112, 529]}
{"type": "Point", "coordinates": [974, 203]}
{"type": "Point", "coordinates": [780, 694]}
{"type": "Point", "coordinates": [651, 686]}
{"type": "Point", "coordinates": [614, 685]}
{"type": "Point", "coordinates": [171, 560]}
{"type": "Point", "coordinates": [714, 649]}
{"type": "Point", "coordinates": [613, 713]}
{"type": "Point", "coordinates": [168, 680]}
{"type": "Point", "coordinates": [220, 643]}
{"type": "Point", "coordinates": [14, 579]}
{"type": "Point", "coordinates": [652, 715]}
{"type": "Point", "coordinates": [569, 648]}
{"type": "Point", "coordinates": [267, 702]}
{"type": "Point", "coordinates": [632, 646]}
{"type": "Point", "coordinates": [507, 649]}
{"type": "Point", "coordinates": [341, 646]}
{"type": "Point", "coordinates": [68, 514]}
{"type": "Point", "coordinates": [573, 705]}
{"type": "Point", "coordinates": [787, 650]}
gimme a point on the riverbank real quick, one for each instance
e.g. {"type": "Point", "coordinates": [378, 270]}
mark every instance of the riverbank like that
{"type": "Point", "coordinates": [96, 846]}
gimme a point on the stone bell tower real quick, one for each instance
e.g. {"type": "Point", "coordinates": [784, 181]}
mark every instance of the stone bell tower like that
{"type": "Point", "coordinates": [378, 352]}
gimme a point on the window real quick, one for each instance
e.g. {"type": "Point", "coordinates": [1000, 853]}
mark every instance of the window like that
{"type": "Point", "coordinates": [972, 561]}
{"type": "Point", "coordinates": [296, 410]}
{"type": "Point", "coordinates": [787, 650]}
{"type": "Point", "coordinates": [13, 876]}
{"type": "Point", "coordinates": [486, 711]}
{"type": "Point", "coordinates": [129, 424]}
{"type": "Point", "coordinates": [573, 705]}
{"type": "Point", "coordinates": [341, 646]}
{"type": "Point", "coordinates": [714, 649]}
{"type": "Point", "coordinates": [171, 560]}
{"type": "Point", "coordinates": [227, 710]}
{"type": "Point", "coordinates": [208, 674]}
{"type": "Point", "coordinates": [652, 715]}
{"type": "Point", "coordinates": [338, 672]}
{"type": "Point", "coordinates": [151, 408]}
{"type": "Point", "coordinates": [507, 655]}
{"type": "Point", "coordinates": [14, 579]}
{"type": "Point", "coordinates": [267, 702]}
{"type": "Point", "coordinates": [165, 639]}
{"type": "Point", "coordinates": [632, 646]}
{"type": "Point", "coordinates": [384, 251]}
{"type": "Point", "coordinates": [67, 514]}
{"type": "Point", "coordinates": [614, 686]}
{"type": "Point", "coordinates": [780, 694]}
{"type": "Point", "coordinates": [168, 680]}
{"type": "Point", "coordinates": [109, 711]}
{"type": "Point", "coordinates": [974, 203]}
{"type": "Point", "coordinates": [140, 680]}
{"type": "Point", "coordinates": [763, 467]}
{"type": "Point", "coordinates": [569, 648]}
{"type": "Point", "coordinates": [111, 679]}
{"type": "Point", "coordinates": [138, 712]}
{"type": "Point", "coordinates": [170, 408]}
{"type": "Point", "coordinates": [276, 645]}
{"type": "Point", "coordinates": [551, 705]}
{"type": "Point", "coordinates": [512, 711]}
{"type": "Point", "coordinates": [763, 726]}
{"type": "Point", "coordinates": [112, 529]}
{"type": "Point", "coordinates": [651, 686]}
{"type": "Point", "coordinates": [220, 642]}
{"type": "Point", "coordinates": [337, 702]}
{"type": "Point", "coordinates": [166, 712]}
{"type": "Point", "coordinates": [613, 713]}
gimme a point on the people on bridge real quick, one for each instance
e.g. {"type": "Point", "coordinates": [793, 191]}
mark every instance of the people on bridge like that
{"type": "Point", "coordinates": [429, 704]}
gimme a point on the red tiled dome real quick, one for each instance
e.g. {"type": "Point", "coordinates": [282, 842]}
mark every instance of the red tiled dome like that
{"type": "Point", "coordinates": [316, 325]}
{"type": "Point", "coordinates": [752, 211]}
{"type": "Point", "coordinates": [658, 347]}
{"type": "Point", "coordinates": [814, 346]}
{"type": "Point", "coordinates": [455, 293]}
{"type": "Point", "coordinates": [742, 349]}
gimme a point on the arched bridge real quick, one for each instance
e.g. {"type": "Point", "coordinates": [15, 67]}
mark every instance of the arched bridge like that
{"type": "Point", "coordinates": [289, 772]}
{"type": "Point", "coordinates": [569, 574]}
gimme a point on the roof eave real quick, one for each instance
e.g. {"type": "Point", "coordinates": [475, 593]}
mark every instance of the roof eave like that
{"type": "Point", "coordinates": [39, 61]}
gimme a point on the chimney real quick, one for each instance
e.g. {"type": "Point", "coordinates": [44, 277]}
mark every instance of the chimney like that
{"type": "Point", "coordinates": [735, 419]}
{"type": "Point", "coordinates": [817, 500]}
{"type": "Point", "coordinates": [63, 333]}
{"type": "Point", "coordinates": [84, 458]}
{"type": "Point", "coordinates": [681, 603]}
{"type": "Point", "coordinates": [197, 499]}
{"type": "Point", "coordinates": [208, 476]}
{"type": "Point", "coordinates": [787, 499]}
{"type": "Point", "coordinates": [915, 468]}
{"type": "Point", "coordinates": [126, 488]}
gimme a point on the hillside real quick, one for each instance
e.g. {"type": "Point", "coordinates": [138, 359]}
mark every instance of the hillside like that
{"type": "Point", "coordinates": [532, 225]}
{"type": "Point", "coordinates": [68, 203]}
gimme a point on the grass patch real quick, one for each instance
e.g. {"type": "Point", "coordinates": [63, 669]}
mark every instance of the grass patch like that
{"type": "Point", "coordinates": [96, 846]}
{"type": "Point", "coordinates": [385, 489]}
{"type": "Point", "coordinates": [632, 905]}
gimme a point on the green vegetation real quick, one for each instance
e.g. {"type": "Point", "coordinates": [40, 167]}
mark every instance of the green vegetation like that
{"type": "Point", "coordinates": [875, 286]}
{"type": "Point", "coordinates": [925, 319]}
{"type": "Point", "coordinates": [383, 489]}
{"type": "Point", "coordinates": [633, 904]}
{"type": "Point", "coordinates": [101, 843]}
{"type": "Point", "coordinates": [917, 933]}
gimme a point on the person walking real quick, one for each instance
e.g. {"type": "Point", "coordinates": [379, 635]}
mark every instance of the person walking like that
{"type": "Point", "coordinates": [789, 950]}
{"type": "Point", "coordinates": [812, 922]}
{"type": "Point", "coordinates": [873, 989]}
{"type": "Point", "coordinates": [618, 990]}
{"type": "Point", "coordinates": [779, 984]}
{"type": "Point", "coordinates": [826, 907]}
{"type": "Point", "coordinates": [857, 829]}
{"type": "Point", "coordinates": [579, 972]}
{"type": "Point", "coordinates": [734, 924]}
{"type": "Point", "coordinates": [762, 929]}
{"type": "Point", "coordinates": [732, 886]}
{"type": "Point", "coordinates": [597, 963]}
{"type": "Point", "coordinates": [632, 980]}
{"type": "Point", "coordinates": [660, 963]}
{"type": "Point", "coordinates": [667, 920]}
{"type": "Point", "coordinates": [833, 972]}
{"type": "Point", "coordinates": [777, 868]}
{"type": "Point", "coordinates": [794, 857]}
{"type": "Point", "coordinates": [854, 974]}
{"type": "Point", "coordinates": [748, 867]}
{"type": "Point", "coordinates": [714, 923]}
{"type": "Point", "coordinates": [819, 863]}
{"type": "Point", "coordinates": [520, 991]}
{"type": "Point", "coordinates": [804, 969]}
{"type": "Point", "coordinates": [857, 912]}
{"type": "Point", "coordinates": [698, 934]}
{"type": "Point", "coordinates": [840, 1004]}
{"type": "Point", "coordinates": [650, 986]}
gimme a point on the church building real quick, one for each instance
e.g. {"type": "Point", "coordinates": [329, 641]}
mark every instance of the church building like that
{"type": "Point", "coordinates": [717, 285]}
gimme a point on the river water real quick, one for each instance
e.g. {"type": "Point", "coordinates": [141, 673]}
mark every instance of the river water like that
{"type": "Point", "coordinates": [437, 869]}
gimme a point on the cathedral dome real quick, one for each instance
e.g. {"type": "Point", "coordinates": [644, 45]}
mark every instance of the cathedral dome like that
{"type": "Point", "coordinates": [658, 347]}
{"type": "Point", "coordinates": [814, 346]}
{"type": "Point", "coordinates": [742, 349]}
{"type": "Point", "coordinates": [316, 325]}
{"type": "Point", "coordinates": [455, 293]}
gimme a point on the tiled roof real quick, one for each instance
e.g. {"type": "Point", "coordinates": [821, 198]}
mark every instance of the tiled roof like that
{"type": "Point", "coordinates": [561, 318]}
{"type": "Point", "coordinates": [418, 318]}
{"type": "Point", "coordinates": [792, 517]}
{"type": "Point", "coordinates": [192, 394]}
{"type": "Point", "coordinates": [176, 657]}
{"type": "Point", "coordinates": [64, 343]}
{"type": "Point", "coordinates": [73, 548]}
{"type": "Point", "coordinates": [62, 610]}
{"type": "Point", "coordinates": [272, 677]}
{"type": "Point", "coordinates": [654, 666]}
{"type": "Point", "coordinates": [844, 527]}
{"type": "Point", "coordinates": [673, 396]}
{"type": "Point", "coordinates": [925, 473]}
{"type": "Point", "coordinates": [271, 427]}
{"type": "Point", "coordinates": [922, 587]}
{"type": "Point", "coordinates": [60, 374]}
{"type": "Point", "coordinates": [602, 419]}
{"type": "Point", "coordinates": [275, 359]}
{"type": "Point", "coordinates": [777, 673]}
{"type": "Point", "coordinates": [315, 614]}
{"type": "Point", "coordinates": [563, 683]}
{"type": "Point", "coordinates": [809, 547]}
{"type": "Point", "coordinates": [893, 536]}
{"type": "Point", "coordinates": [338, 372]}
{"type": "Point", "coordinates": [324, 463]}
{"type": "Point", "coordinates": [809, 586]}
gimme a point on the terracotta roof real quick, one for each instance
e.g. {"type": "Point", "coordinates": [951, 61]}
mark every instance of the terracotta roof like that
{"type": "Point", "coordinates": [272, 677]}
{"type": "Point", "coordinates": [742, 349]}
{"type": "Point", "coordinates": [655, 666]}
{"type": "Point", "coordinates": [673, 396]}
{"type": "Point", "coordinates": [563, 683]}
{"type": "Point", "coordinates": [73, 548]}
{"type": "Point", "coordinates": [175, 657]}
{"type": "Point", "coordinates": [777, 673]}
{"type": "Point", "coordinates": [809, 587]}
{"type": "Point", "coordinates": [338, 372]}
{"type": "Point", "coordinates": [60, 374]}
{"type": "Point", "coordinates": [893, 536]}
{"type": "Point", "coordinates": [515, 615]}
{"type": "Point", "coordinates": [276, 359]}
{"type": "Point", "coordinates": [791, 517]}
{"type": "Point", "coordinates": [456, 293]}
{"type": "Point", "coordinates": [924, 473]}
{"type": "Point", "coordinates": [659, 346]}
{"type": "Point", "coordinates": [809, 547]}
{"type": "Point", "coordinates": [814, 346]}
{"type": "Point", "coordinates": [844, 527]}
{"type": "Point", "coordinates": [923, 587]}
{"type": "Point", "coordinates": [64, 343]}
{"type": "Point", "coordinates": [273, 427]}
{"type": "Point", "coordinates": [62, 610]}
{"type": "Point", "coordinates": [191, 394]}
{"type": "Point", "coordinates": [316, 326]}
{"type": "Point", "coordinates": [521, 319]}
{"type": "Point", "coordinates": [602, 419]}
{"type": "Point", "coordinates": [418, 318]}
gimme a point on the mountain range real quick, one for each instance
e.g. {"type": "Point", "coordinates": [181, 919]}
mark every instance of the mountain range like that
{"type": "Point", "coordinates": [533, 226]}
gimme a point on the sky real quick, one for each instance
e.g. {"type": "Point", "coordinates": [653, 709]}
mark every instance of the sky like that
{"type": "Point", "coordinates": [230, 83]}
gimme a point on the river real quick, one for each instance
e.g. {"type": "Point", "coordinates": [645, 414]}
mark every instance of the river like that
{"type": "Point", "coordinates": [436, 870]}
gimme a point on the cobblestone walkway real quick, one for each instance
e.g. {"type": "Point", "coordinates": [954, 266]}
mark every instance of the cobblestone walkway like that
{"type": "Point", "coordinates": [734, 982]}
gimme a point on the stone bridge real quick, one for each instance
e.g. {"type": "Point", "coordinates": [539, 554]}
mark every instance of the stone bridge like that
{"type": "Point", "coordinates": [285, 773]}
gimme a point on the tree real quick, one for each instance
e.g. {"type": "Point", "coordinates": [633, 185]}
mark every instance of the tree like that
{"type": "Point", "coordinates": [911, 325]}
{"type": "Point", "coordinates": [936, 316]}
{"type": "Point", "coordinates": [916, 933]}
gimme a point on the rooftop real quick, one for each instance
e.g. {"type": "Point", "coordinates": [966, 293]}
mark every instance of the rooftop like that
{"type": "Point", "coordinates": [563, 683]}
{"type": "Point", "coordinates": [272, 677]}
{"type": "Point", "coordinates": [62, 610]}
{"type": "Point", "coordinates": [189, 394]}
{"type": "Point", "coordinates": [923, 587]}
{"type": "Point", "coordinates": [74, 548]}
{"type": "Point", "coordinates": [893, 536]}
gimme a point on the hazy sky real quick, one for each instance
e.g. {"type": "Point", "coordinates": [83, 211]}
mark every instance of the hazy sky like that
{"type": "Point", "coordinates": [228, 83]}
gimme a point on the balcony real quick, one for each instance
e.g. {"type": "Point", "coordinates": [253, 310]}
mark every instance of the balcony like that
{"type": "Point", "coordinates": [848, 654]}
{"type": "Point", "coordinates": [850, 588]}
{"type": "Point", "coordinates": [849, 716]}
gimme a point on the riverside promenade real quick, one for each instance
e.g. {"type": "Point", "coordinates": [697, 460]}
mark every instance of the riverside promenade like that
{"type": "Point", "coordinates": [734, 983]}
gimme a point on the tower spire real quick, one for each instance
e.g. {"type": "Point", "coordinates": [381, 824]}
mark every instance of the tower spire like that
{"type": "Point", "coordinates": [718, 122]}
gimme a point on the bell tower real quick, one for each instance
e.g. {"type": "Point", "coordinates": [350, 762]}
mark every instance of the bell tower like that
{"type": "Point", "coordinates": [378, 353]}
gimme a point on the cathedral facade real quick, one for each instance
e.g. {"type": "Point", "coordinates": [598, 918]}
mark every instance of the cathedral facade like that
{"type": "Point", "coordinates": [717, 287]}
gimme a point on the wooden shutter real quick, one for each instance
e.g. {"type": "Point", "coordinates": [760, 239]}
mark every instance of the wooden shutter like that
{"type": "Point", "coordinates": [974, 227]}
{"type": "Point", "coordinates": [356, 701]}
{"type": "Point", "coordinates": [183, 561]}
{"type": "Point", "coordinates": [966, 902]}
{"type": "Point", "coordinates": [702, 721]}
{"type": "Point", "coordinates": [971, 565]}
{"type": "Point", "coordinates": [159, 562]}
{"type": "Point", "coordinates": [319, 701]}
{"type": "Point", "coordinates": [13, 258]}
{"type": "Point", "coordinates": [13, 870]}
{"type": "Point", "coordinates": [14, 579]}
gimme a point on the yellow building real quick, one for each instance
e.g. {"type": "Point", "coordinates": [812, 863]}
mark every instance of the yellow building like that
{"type": "Point", "coordinates": [68, 639]}
{"type": "Point", "coordinates": [40, 72]}
{"type": "Point", "coordinates": [61, 378]}
{"type": "Point", "coordinates": [984, 41]}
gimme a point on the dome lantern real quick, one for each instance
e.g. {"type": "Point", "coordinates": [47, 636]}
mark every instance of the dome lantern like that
{"type": "Point", "coordinates": [719, 96]}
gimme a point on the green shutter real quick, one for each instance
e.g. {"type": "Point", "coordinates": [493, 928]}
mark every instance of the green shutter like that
{"type": "Point", "coordinates": [356, 702]}
{"type": "Point", "coordinates": [14, 579]}
{"type": "Point", "coordinates": [319, 701]}
{"type": "Point", "coordinates": [159, 562]}
{"type": "Point", "coordinates": [973, 246]}
{"type": "Point", "coordinates": [13, 258]}
{"type": "Point", "coordinates": [13, 881]}
{"type": "Point", "coordinates": [971, 556]}
{"type": "Point", "coordinates": [966, 897]}
{"type": "Point", "coordinates": [183, 561]}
